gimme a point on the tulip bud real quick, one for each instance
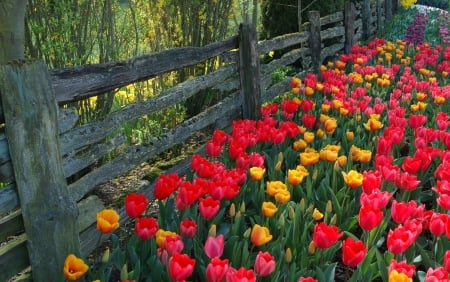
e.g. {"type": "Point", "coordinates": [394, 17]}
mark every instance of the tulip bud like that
{"type": "Point", "coordinates": [212, 231]}
{"type": "Point", "coordinates": [247, 232]}
{"type": "Point", "coordinates": [302, 204]}
{"type": "Point", "coordinates": [124, 273]}
{"type": "Point", "coordinates": [336, 165]}
{"type": "Point", "coordinates": [312, 248]}
{"type": "Point", "coordinates": [242, 207]}
{"type": "Point", "coordinates": [288, 255]}
{"type": "Point", "coordinates": [238, 215]}
{"type": "Point", "coordinates": [310, 208]}
{"type": "Point", "coordinates": [329, 207]}
{"type": "Point", "coordinates": [280, 222]}
{"type": "Point", "coordinates": [232, 210]}
{"type": "Point", "coordinates": [291, 212]}
{"type": "Point", "coordinates": [105, 257]}
{"type": "Point", "coordinates": [315, 173]}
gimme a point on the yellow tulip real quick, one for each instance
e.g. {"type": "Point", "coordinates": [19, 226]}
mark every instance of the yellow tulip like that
{"type": "Point", "coordinates": [274, 187]}
{"type": "Point", "coordinates": [161, 235]}
{"type": "Point", "coordinates": [309, 158]}
{"type": "Point", "coordinates": [269, 209]}
{"type": "Point", "coordinates": [257, 173]}
{"type": "Point", "coordinates": [317, 215]}
{"type": "Point", "coordinates": [353, 178]}
{"type": "Point", "coordinates": [283, 196]}
{"type": "Point", "coordinates": [395, 276]}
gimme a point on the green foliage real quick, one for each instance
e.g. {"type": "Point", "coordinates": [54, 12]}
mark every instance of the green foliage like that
{"type": "Point", "coordinates": [441, 4]}
{"type": "Point", "coordinates": [281, 16]}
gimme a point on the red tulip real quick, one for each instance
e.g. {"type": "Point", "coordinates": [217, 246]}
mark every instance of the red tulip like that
{"type": "Point", "coordinates": [165, 185]}
{"type": "Point", "coordinates": [402, 237]}
{"type": "Point", "coordinates": [188, 193]}
{"type": "Point", "coordinates": [411, 165]}
{"type": "Point", "coordinates": [264, 264]}
{"type": "Point", "coordinates": [208, 207]}
{"type": "Point", "coordinates": [214, 246]}
{"type": "Point", "coordinates": [309, 120]}
{"type": "Point", "coordinates": [369, 217]}
{"type": "Point", "coordinates": [376, 199]}
{"type": "Point", "coordinates": [371, 181]}
{"type": "Point", "coordinates": [240, 275]}
{"type": "Point", "coordinates": [353, 252]}
{"type": "Point", "coordinates": [174, 244]}
{"type": "Point", "coordinates": [307, 279]}
{"type": "Point", "coordinates": [437, 274]}
{"type": "Point", "coordinates": [181, 266]}
{"type": "Point", "coordinates": [406, 181]}
{"type": "Point", "coordinates": [216, 270]}
{"type": "Point", "coordinates": [219, 137]}
{"type": "Point", "coordinates": [401, 211]}
{"type": "Point", "coordinates": [325, 236]}
{"type": "Point", "coordinates": [188, 227]}
{"type": "Point", "coordinates": [146, 227]}
{"type": "Point", "coordinates": [416, 121]}
{"type": "Point", "coordinates": [402, 267]}
{"type": "Point", "coordinates": [135, 204]}
{"type": "Point", "coordinates": [438, 224]}
{"type": "Point", "coordinates": [213, 149]}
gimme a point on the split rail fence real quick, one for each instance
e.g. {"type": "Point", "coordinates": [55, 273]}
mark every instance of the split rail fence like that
{"type": "Point", "coordinates": [43, 215]}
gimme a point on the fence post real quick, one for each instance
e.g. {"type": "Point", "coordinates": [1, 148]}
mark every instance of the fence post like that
{"type": "Point", "coordinates": [366, 19]}
{"type": "Point", "coordinates": [379, 14]}
{"type": "Point", "coordinates": [315, 41]}
{"type": "Point", "coordinates": [48, 210]}
{"type": "Point", "coordinates": [388, 7]}
{"type": "Point", "coordinates": [249, 71]}
{"type": "Point", "coordinates": [349, 21]}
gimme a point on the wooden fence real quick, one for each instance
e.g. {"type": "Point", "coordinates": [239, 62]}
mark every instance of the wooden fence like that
{"type": "Point", "coordinates": [45, 148]}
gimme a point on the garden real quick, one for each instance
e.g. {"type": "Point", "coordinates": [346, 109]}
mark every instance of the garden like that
{"type": "Point", "coordinates": [346, 177]}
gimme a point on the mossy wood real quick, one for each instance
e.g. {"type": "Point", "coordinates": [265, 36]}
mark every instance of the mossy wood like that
{"type": "Point", "coordinates": [315, 41]}
{"type": "Point", "coordinates": [83, 146]}
{"type": "Point", "coordinates": [48, 209]}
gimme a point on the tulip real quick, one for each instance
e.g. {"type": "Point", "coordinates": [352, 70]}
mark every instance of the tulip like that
{"type": "Point", "coordinates": [135, 204]}
{"type": "Point", "coordinates": [395, 276]}
{"type": "Point", "coordinates": [264, 264]}
{"type": "Point", "coordinates": [208, 207]}
{"type": "Point", "coordinates": [353, 252]}
{"type": "Point", "coordinates": [214, 246]}
{"type": "Point", "coordinates": [188, 227]}
{"type": "Point", "coordinates": [74, 267]}
{"type": "Point", "coordinates": [447, 260]}
{"type": "Point", "coordinates": [181, 266]}
{"type": "Point", "coordinates": [402, 267]}
{"type": "Point", "coordinates": [146, 227]}
{"type": "Point", "coordinates": [216, 270]}
{"type": "Point", "coordinates": [165, 185]}
{"type": "Point", "coordinates": [325, 236]}
{"type": "Point", "coordinates": [274, 187]}
{"type": "Point", "coordinates": [174, 244]}
{"type": "Point", "coordinates": [353, 178]}
{"type": "Point", "coordinates": [240, 275]}
{"type": "Point", "coordinates": [369, 217]}
{"type": "Point", "coordinates": [317, 215]}
{"type": "Point", "coordinates": [307, 279]}
{"type": "Point", "coordinates": [161, 237]}
{"type": "Point", "coordinates": [437, 274]}
{"type": "Point", "coordinates": [309, 158]}
{"type": "Point", "coordinates": [107, 220]}
{"type": "Point", "coordinates": [257, 173]}
{"type": "Point", "coordinates": [260, 235]}
{"type": "Point", "coordinates": [269, 209]}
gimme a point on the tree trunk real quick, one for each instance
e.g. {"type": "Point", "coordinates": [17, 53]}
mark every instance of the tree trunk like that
{"type": "Point", "coordinates": [12, 17]}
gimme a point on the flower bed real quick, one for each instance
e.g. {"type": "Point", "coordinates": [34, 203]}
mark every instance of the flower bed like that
{"type": "Point", "coordinates": [348, 171]}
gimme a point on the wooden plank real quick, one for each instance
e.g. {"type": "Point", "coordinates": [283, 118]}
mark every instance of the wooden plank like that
{"type": "Point", "coordinates": [11, 225]}
{"type": "Point", "coordinates": [9, 199]}
{"type": "Point", "coordinates": [337, 17]}
{"type": "Point", "coordinates": [135, 155]}
{"type": "Point", "coordinates": [349, 25]}
{"type": "Point", "coordinates": [74, 164]}
{"type": "Point", "coordinates": [67, 118]}
{"type": "Point", "coordinates": [81, 82]}
{"type": "Point", "coordinates": [315, 40]}
{"type": "Point", "coordinates": [249, 72]}
{"type": "Point", "coordinates": [97, 131]}
{"type": "Point", "coordinates": [283, 41]}
{"type": "Point", "coordinates": [333, 32]}
{"type": "Point", "coordinates": [366, 16]}
{"type": "Point", "coordinates": [13, 258]}
{"type": "Point", "coordinates": [89, 208]}
{"type": "Point", "coordinates": [48, 209]}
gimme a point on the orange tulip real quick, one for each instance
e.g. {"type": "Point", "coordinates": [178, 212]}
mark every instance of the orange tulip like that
{"type": "Point", "coordinates": [308, 137]}
{"type": "Point", "coordinates": [317, 215]}
{"type": "Point", "coordinates": [309, 91]}
{"type": "Point", "coordinates": [107, 220]}
{"type": "Point", "coordinates": [260, 235]}
{"type": "Point", "coordinates": [269, 209]}
{"type": "Point", "coordinates": [74, 267]}
{"type": "Point", "coordinates": [350, 135]}
{"type": "Point", "coordinates": [296, 176]}
{"type": "Point", "coordinates": [342, 160]}
{"type": "Point", "coordinates": [353, 178]}
{"type": "Point", "coordinates": [439, 99]}
{"type": "Point", "coordinates": [330, 125]}
{"type": "Point", "coordinates": [328, 155]}
{"type": "Point", "coordinates": [300, 145]}
{"type": "Point", "coordinates": [365, 156]}
{"type": "Point", "coordinates": [373, 124]}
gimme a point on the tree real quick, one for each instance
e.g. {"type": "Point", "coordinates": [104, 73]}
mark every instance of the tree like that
{"type": "Point", "coordinates": [12, 14]}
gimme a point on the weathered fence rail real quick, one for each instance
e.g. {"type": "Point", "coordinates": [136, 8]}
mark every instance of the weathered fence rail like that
{"type": "Point", "coordinates": [82, 146]}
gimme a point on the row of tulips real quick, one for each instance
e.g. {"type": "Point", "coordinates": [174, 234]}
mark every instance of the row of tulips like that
{"type": "Point", "coordinates": [345, 178]}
